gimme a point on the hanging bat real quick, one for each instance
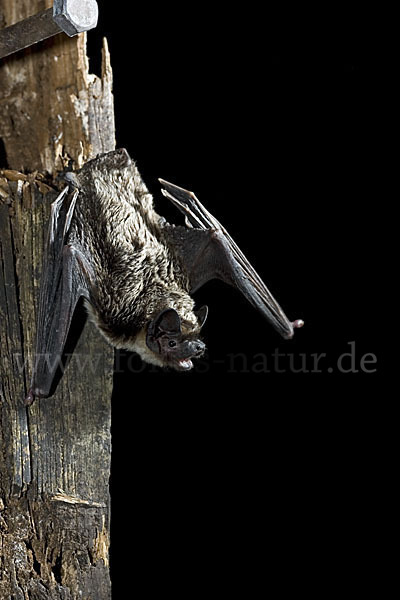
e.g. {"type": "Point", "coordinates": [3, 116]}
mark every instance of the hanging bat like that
{"type": "Point", "coordinates": [134, 271]}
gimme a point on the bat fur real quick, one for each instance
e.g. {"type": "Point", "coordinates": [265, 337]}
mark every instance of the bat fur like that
{"type": "Point", "coordinates": [135, 271]}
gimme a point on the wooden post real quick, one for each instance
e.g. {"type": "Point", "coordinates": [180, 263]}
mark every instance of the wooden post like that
{"type": "Point", "coordinates": [54, 455]}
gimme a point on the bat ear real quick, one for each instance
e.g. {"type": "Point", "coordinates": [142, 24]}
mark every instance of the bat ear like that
{"type": "Point", "coordinates": [168, 321]}
{"type": "Point", "coordinates": [201, 314]}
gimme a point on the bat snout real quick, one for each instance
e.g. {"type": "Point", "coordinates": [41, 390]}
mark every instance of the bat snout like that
{"type": "Point", "coordinates": [190, 349]}
{"type": "Point", "coordinates": [196, 348]}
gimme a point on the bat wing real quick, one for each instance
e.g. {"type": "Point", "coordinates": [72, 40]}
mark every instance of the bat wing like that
{"type": "Point", "coordinates": [208, 252]}
{"type": "Point", "coordinates": [65, 279]}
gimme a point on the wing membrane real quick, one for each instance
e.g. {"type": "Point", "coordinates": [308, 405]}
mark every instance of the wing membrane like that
{"type": "Point", "coordinates": [218, 256]}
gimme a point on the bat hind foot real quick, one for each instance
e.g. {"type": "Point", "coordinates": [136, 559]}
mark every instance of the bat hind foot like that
{"type": "Point", "coordinates": [33, 393]}
{"type": "Point", "coordinates": [30, 397]}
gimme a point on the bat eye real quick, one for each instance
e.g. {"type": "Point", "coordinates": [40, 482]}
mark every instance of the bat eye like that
{"type": "Point", "coordinates": [172, 343]}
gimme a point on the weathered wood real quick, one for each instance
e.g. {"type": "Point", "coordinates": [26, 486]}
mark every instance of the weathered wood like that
{"type": "Point", "coordinates": [53, 110]}
{"type": "Point", "coordinates": [54, 455]}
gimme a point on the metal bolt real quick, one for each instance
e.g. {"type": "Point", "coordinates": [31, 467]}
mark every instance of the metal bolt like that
{"type": "Point", "coordinates": [68, 16]}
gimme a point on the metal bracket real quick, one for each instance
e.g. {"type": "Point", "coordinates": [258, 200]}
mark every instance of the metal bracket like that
{"type": "Point", "coordinates": [68, 16]}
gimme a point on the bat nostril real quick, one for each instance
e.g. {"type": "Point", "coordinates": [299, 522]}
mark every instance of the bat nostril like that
{"type": "Point", "coordinates": [199, 347]}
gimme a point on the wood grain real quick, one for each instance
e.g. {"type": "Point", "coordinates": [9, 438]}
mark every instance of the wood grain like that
{"type": "Point", "coordinates": [54, 455]}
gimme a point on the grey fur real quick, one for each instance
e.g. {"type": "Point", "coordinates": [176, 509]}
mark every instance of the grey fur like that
{"type": "Point", "coordinates": [135, 271]}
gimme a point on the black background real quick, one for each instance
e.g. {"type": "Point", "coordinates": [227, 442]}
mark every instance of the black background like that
{"type": "Point", "coordinates": [250, 475]}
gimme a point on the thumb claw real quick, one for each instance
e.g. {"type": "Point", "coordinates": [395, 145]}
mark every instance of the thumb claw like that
{"type": "Point", "coordinates": [298, 323]}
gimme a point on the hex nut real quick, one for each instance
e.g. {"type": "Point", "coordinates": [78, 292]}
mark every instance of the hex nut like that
{"type": "Point", "coordinates": [75, 16]}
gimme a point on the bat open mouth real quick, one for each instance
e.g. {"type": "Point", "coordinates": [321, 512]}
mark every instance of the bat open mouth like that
{"type": "Point", "coordinates": [184, 364]}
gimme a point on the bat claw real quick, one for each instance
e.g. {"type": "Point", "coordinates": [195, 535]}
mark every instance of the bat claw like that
{"type": "Point", "coordinates": [297, 323]}
{"type": "Point", "coordinates": [30, 398]}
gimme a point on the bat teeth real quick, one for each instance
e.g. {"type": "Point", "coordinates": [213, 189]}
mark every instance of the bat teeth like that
{"type": "Point", "coordinates": [186, 364]}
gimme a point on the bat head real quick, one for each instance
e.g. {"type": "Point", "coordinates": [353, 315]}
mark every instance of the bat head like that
{"type": "Point", "coordinates": [173, 343]}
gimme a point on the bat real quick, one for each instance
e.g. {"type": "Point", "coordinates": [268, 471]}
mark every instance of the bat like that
{"type": "Point", "coordinates": [135, 273]}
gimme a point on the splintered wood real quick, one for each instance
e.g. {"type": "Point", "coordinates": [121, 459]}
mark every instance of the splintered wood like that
{"type": "Point", "coordinates": [55, 455]}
